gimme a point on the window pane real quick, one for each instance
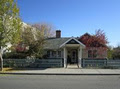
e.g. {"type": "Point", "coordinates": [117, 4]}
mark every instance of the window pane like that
{"type": "Point", "coordinates": [89, 53]}
{"type": "Point", "coordinates": [59, 53]}
{"type": "Point", "coordinates": [48, 53]}
{"type": "Point", "coordinates": [53, 53]}
{"type": "Point", "coordinates": [94, 53]}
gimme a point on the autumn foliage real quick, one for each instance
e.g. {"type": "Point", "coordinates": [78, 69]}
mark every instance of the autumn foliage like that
{"type": "Point", "coordinates": [97, 40]}
{"type": "Point", "coordinates": [96, 43]}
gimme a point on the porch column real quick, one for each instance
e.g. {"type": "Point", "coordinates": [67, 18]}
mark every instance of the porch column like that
{"type": "Point", "coordinates": [79, 56]}
{"type": "Point", "coordinates": [65, 57]}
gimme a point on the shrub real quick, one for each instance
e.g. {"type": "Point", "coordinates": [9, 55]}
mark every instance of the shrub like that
{"type": "Point", "coordinates": [14, 55]}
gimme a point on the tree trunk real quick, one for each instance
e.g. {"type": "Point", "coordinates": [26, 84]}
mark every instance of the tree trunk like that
{"type": "Point", "coordinates": [1, 60]}
{"type": "Point", "coordinates": [1, 63]}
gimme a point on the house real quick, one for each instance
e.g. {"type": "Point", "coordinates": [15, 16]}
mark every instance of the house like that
{"type": "Point", "coordinates": [73, 49]}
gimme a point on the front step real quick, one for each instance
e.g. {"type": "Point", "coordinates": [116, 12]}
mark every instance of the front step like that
{"type": "Point", "coordinates": [72, 66]}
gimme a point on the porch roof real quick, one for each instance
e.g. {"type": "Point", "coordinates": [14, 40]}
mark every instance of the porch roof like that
{"type": "Point", "coordinates": [72, 38]}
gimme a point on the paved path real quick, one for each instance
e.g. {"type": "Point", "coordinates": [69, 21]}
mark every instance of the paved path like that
{"type": "Point", "coordinates": [62, 71]}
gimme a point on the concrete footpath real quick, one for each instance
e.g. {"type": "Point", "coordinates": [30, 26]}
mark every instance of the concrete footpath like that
{"type": "Point", "coordinates": [63, 71]}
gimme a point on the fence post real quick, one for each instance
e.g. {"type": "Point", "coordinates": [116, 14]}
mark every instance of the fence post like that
{"type": "Point", "coordinates": [83, 62]}
{"type": "Point", "coordinates": [106, 62]}
{"type": "Point", "coordinates": [61, 62]}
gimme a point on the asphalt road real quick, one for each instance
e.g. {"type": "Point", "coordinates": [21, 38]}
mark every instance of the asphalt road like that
{"type": "Point", "coordinates": [58, 82]}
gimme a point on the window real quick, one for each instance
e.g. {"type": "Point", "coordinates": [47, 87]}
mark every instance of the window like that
{"type": "Point", "coordinates": [94, 53]}
{"type": "Point", "coordinates": [53, 53]}
{"type": "Point", "coordinates": [89, 53]}
{"type": "Point", "coordinates": [48, 53]}
{"type": "Point", "coordinates": [59, 53]}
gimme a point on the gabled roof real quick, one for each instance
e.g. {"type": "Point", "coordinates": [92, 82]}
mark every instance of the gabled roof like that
{"type": "Point", "coordinates": [56, 43]}
{"type": "Point", "coordinates": [73, 39]}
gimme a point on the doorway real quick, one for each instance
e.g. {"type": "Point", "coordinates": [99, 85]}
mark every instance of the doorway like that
{"type": "Point", "coordinates": [72, 57]}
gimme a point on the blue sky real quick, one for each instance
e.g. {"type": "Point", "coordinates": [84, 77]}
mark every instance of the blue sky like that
{"type": "Point", "coordinates": [75, 17]}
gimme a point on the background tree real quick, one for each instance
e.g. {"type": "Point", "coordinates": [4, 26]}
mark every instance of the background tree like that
{"type": "Point", "coordinates": [116, 53]}
{"type": "Point", "coordinates": [10, 24]}
{"type": "Point", "coordinates": [101, 37]}
{"type": "Point", "coordinates": [47, 30]}
{"type": "Point", "coordinates": [110, 52]}
{"type": "Point", "coordinates": [34, 37]}
{"type": "Point", "coordinates": [96, 40]}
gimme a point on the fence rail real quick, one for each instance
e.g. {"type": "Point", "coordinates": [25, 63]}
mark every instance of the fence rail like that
{"type": "Point", "coordinates": [41, 63]}
{"type": "Point", "coordinates": [94, 62]}
{"type": "Point", "coordinates": [101, 63]}
{"type": "Point", "coordinates": [113, 63]}
{"type": "Point", "coordinates": [33, 63]}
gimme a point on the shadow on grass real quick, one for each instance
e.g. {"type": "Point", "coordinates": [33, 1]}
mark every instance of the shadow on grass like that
{"type": "Point", "coordinates": [22, 69]}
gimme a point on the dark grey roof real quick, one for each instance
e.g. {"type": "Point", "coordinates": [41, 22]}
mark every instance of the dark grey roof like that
{"type": "Point", "coordinates": [54, 43]}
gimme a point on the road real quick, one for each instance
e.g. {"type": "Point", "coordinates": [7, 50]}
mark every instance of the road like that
{"type": "Point", "coordinates": [58, 82]}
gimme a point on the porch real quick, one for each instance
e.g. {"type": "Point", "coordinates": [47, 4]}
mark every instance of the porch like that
{"type": "Point", "coordinates": [72, 55]}
{"type": "Point", "coordinates": [72, 50]}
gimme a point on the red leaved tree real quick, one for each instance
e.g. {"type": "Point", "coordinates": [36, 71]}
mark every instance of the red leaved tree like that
{"type": "Point", "coordinates": [97, 40]}
{"type": "Point", "coordinates": [101, 37]}
{"type": "Point", "coordinates": [94, 41]}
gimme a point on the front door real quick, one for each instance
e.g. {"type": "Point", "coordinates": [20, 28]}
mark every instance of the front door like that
{"type": "Point", "coordinates": [72, 56]}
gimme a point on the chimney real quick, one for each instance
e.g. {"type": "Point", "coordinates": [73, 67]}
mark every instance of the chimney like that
{"type": "Point", "coordinates": [58, 33]}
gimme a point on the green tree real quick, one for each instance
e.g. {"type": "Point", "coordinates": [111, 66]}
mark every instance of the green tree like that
{"type": "Point", "coordinates": [34, 37]}
{"type": "Point", "coordinates": [116, 52]}
{"type": "Point", "coordinates": [10, 24]}
{"type": "Point", "coordinates": [110, 52]}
